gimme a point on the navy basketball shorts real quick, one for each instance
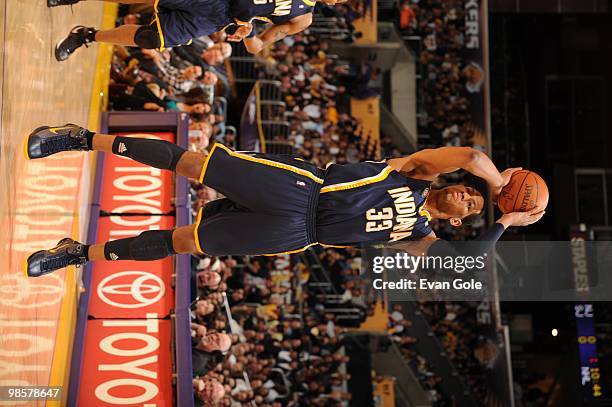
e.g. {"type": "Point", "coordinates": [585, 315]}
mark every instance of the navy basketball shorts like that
{"type": "Point", "coordinates": [269, 206]}
{"type": "Point", "coordinates": [180, 21]}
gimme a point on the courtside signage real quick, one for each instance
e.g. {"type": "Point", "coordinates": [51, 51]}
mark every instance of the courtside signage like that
{"type": "Point", "coordinates": [131, 289]}
{"type": "Point", "coordinates": [128, 363]}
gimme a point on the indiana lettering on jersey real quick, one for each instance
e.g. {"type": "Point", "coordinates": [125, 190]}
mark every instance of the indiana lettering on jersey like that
{"type": "Point", "coordinates": [401, 218]}
{"type": "Point", "coordinates": [281, 7]}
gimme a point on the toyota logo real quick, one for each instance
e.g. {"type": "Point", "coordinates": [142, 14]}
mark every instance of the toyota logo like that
{"type": "Point", "coordinates": [145, 289]}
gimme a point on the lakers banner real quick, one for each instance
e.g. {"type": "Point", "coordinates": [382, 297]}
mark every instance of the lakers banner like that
{"type": "Point", "coordinates": [475, 71]}
{"type": "Point", "coordinates": [128, 362]}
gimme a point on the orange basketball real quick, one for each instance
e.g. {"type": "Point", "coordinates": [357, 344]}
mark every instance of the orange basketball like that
{"type": "Point", "coordinates": [525, 191]}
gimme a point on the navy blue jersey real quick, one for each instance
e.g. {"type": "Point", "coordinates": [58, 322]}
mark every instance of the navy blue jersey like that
{"type": "Point", "coordinates": [370, 203]}
{"type": "Point", "coordinates": [270, 11]}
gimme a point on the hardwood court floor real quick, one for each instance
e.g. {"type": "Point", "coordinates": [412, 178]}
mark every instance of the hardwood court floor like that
{"type": "Point", "coordinates": [39, 199]}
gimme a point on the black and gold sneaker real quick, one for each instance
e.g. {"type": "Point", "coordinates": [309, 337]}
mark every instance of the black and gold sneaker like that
{"type": "Point", "coordinates": [78, 37]}
{"type": "Point", "coordinates": [45, 140]}
{"type": "Point", "coordinates": [68, 252]}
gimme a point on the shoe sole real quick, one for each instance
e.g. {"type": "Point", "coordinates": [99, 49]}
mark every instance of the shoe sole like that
{"type": "Point", "coordinates": [55, 53]}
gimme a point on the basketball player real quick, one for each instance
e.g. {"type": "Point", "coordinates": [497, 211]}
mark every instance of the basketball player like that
{"type": "Point", "coordinates": [177, 22]}
{"type": "Point", "coordinates": [279, 204]}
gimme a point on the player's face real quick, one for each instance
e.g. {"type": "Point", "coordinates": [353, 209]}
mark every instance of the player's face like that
{"type": "Point", "coordinates": [459, 201]}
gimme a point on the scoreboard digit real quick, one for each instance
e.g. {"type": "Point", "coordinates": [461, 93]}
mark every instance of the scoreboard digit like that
{"type": "Point", "coordinates": [590, 375]}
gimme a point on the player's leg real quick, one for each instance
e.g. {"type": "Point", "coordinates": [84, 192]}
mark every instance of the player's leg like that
{"type": "Point", "coordinates": [131, 35]}
{"type": "Point", "coordinates": [45, 141]}
{"type": "Point", "coordinates": [149, 245]}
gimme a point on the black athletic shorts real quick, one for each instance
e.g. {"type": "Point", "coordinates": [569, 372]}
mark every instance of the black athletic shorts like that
{"type": "Point", "coordinates": [269, 206]}
{"type": "Point", "coordinates": [180, 21]}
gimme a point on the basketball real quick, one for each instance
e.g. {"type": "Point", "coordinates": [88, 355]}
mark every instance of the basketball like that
{"type": "Point", "coordinates": [525, 191]}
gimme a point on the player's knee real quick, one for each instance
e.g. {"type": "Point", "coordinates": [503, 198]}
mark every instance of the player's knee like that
{"type": "Point", "coordinates": [152, 245]}
{"type": "Point", "coordinates": [183, 240]}
{"type": "Point", "coordinates": [147, 37]}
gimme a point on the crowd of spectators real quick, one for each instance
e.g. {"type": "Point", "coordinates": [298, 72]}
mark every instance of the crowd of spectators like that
{"type": "Point", "coordinates": [316, 88]}
{"type": "Point", "coordinates": [447, 80]}
{"type": "Point", "coordinates": [191, 79]}
{"type": "Point", "coordinates": [257, 338]}
{"type": "Point", "coordinates": [447, 77]}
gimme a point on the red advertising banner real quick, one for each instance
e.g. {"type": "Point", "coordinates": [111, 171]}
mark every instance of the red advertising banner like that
{"type": "Point", "coordinates": [131, 289]}
{"type": "Point", "coordinates": [128, 363]}
{"type": "Point", "coordinates": [131, 187]}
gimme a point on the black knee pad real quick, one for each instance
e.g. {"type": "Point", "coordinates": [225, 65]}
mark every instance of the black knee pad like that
{"type": "Point", "coordinates": [147, 37]}
{"type": "Point", "coordinates": [156, 153]}
{"type": "Point", "coordinates": [152, 245]}
{"type": "Point", "coordinates": [149, 245]}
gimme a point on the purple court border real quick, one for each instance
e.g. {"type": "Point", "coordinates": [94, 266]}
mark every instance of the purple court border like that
{"type": "Point", "coordinates": [143, 121]}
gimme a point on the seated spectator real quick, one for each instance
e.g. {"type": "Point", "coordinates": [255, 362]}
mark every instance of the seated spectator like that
{"type": "Point", "coordinates": [208, 391]}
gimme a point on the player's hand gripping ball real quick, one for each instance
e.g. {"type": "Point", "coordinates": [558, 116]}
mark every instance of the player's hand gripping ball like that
{"type": "Point", "coordinates": [524, 191]}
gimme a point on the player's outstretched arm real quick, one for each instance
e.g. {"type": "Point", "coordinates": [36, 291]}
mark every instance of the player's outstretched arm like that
{"type": "Point", "coordinates": [277, 32]}
{"type": "Point", "coordinates": [430, 163]}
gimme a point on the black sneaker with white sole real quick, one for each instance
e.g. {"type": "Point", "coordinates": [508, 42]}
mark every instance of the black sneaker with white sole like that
{"type": "Point", "coordinates": [78, 37]}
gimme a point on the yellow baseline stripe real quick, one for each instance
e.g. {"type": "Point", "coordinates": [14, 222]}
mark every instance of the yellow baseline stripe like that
{"type": "Point", "coordinates": [60, 367]}
{"type": "Point", "coordinates": [99, 96]}
{"type": "Point", "coordinates": [358, 183]}
{"type": "Point", "coordinates": [309, 3]}
{"type": "Point", "coordinates": [271, 163]}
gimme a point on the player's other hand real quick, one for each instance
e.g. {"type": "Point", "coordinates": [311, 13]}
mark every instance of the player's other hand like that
{"type": "Point", "coordinates": [522, 218]}
{"type": "Point", "coordinates": [241, 33]}
{"type": "Point", "coordinates": [506, 175]}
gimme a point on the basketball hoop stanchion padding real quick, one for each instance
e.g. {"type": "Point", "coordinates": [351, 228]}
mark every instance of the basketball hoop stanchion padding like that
{"type": "Point", "coordinates": [93, 336]}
